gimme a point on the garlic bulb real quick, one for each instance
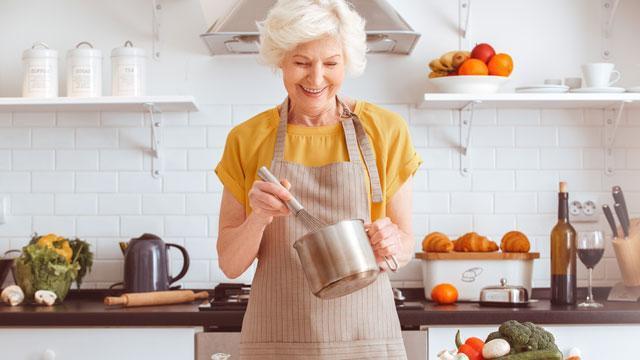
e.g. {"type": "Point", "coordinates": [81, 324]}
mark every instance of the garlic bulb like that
{"type": "Point", "coordinates": [12, 295]}
{"type": "Point", "coordinates": [45, 297]}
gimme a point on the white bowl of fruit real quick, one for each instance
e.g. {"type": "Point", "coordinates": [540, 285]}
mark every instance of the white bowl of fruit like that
{"type": "Point", "coordinates": [480, 71]}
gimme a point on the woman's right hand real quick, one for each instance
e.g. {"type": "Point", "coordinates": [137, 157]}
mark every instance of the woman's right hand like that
{"type": "Point", "coordinates": [267, 200]}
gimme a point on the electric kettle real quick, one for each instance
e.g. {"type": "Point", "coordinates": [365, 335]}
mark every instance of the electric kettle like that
{"type": "Point", "coordinates": [146, 264]}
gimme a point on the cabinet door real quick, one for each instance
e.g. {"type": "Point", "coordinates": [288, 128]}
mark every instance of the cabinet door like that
{"type": "Point", "coordinates": [97, 343]}
{"type": "Point", "coordinates": [209, 343]}
{"type": "Point", "coordinates": [415, 343]}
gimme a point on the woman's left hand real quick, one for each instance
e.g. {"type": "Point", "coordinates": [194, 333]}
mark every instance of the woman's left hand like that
{"type": "Point", "coordinates": [385, 238]}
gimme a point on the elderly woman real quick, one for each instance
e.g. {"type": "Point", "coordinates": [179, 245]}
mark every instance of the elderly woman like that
{"type": "Point", "coordinates": [343, 159]}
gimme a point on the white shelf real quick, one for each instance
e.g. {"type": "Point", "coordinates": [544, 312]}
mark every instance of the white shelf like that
{"type": "Point", "coordinates": [105, 103]}
{"type": "Point", "coordinates": [529, 100]}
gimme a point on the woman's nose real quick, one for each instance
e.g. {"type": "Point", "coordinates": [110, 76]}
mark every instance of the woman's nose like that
{"type": "Point", "coordinates": [317, 74]}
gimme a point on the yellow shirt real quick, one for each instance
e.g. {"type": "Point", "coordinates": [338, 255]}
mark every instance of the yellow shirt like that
{"type": "Point", "coordinates": [250, 145]}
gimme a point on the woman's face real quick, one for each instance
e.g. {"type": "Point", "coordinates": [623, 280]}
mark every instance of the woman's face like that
{"type": "Point", "coordinates": [313, 73]}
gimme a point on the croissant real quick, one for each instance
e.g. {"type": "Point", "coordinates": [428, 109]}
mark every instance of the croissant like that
{"type": "Point", "coordinates": [515, 241]}
{"type": "Point", "coordinates": [472, 242]}
{"type": "Point", "coordinates": [437, 242]}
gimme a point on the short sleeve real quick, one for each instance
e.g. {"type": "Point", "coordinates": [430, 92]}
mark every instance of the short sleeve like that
{"type": "Point", "coordinates": [229, 169]}
{"type": "Point", "coordinates": [402, 159]}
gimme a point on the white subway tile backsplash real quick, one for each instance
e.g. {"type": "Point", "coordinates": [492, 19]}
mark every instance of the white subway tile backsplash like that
{"type": "Point", "coordinates": [628, 180]}
{"type": "Point", "coordinates": [120, 160]}
{"type": "Point", "coordinates": [76, 160]}
{"type": "Point", "coordinates": [536, 225]}
{"type": "Point", "coordinates": [96, 182]}
{"type": "Point", "coordinates": [217, 136]}
{"type": "Point", "coordinates": [15, 138]}
{"type": "Point", "coordinates": [448, 180]}
{"type": "Point", "coordinates": [633, 159]}
{"type": "Point", "coordinates": [494, 224]}
{"type": "Point", "coordinates": [5, 159]}
{"type": "Point", "coordinates": [96, 138]}
{"type": "Point", "coordinates": [211, 115]}
{"type": "Point", "coordinates": [594, 159]}
{"type": "Point", "coordinates": [430, 117]}
{"type": "Point", "coordinates": [6, 119]}
{"type": "Point", "coordinates": [135, 138]}
{"type": "Point", "coordinates": [527, 180]}
{"type": "Point", "coordinates": [53, 138]}
{"type": "Point", "coordinates": [575, 136]}
{"type": "Point", "coordinates": [98, 226]}
{"type": "Point", "coordinates": [106, 271]}
{"type": "Point", "coordinates": [582, 180]}
{"type": "Point", "coordinates": [517, 158]}
{"type": "Point", "coordinates": [431, 203]}
{"type": "Point", "coordinates": [420, 227]}
{"type": "Point", "coordinates": [435, 158]}
{"type": "Point", "coordinates": [419, 135]}
{"type": "Point", "coordinates": [108, 248]}
{"type": "Point", "coordinates": [515, 203]}
{"type": "Point", "coordinates": [213, 182]}
{"type": "Point", "coordinates": [78, 119]}
{"type": "Point", "coordinates": [175, 159]}
{"type": "Point", "coordinates": [207, 204]}
{"type": "Point", "coordinates": [53, 182]}
{"type": "Point", "coordinates": [19, 226]}
{"type": "Point", "coordinates": [493, 180]}
{"type": "Point", "coordinates": [561, 117]}
{"type": "Point", "coordinates": [479, 158]}
{"type": "Point", "coordinates": [139, 182]}
{"type": "Point", "coordinates": [534, 137]}
{"type": "Point", "coordinates": [627, 137]}
{"type": "Point", "coordinates": [121, 119]}
{"type": "Point", "coordinates": [518, 117]}
{"type": "Point", "coordinates": [492, 136]}
{"type": "Point", "coordinates": [34, 119]}
{"type": "Point", "coordinates": [192, 181]}
{"type": "Point", "coordinates": [560, 159]}
{"type": "Point", "coordinates": [15, 182]}
{"type": "Point", "coordinates": [548, 202]}
{"type": "Point", "coordinates": [212, 223]}
{"type": "Point", "coordinates": [134, 226]}
{"type": "Point", "coordinates": [451, 225]}
{"type": "Point", "coordinates": [163, 204]}
{"type": "Point", "coordinates": [172, 119]}
{"type": "Point", "coordinates": [185, 137]}
{"type": "Point", "coordinates": [76, 204]}
{"type": "Point", "coordinates": [61, 225]}
{"type": "Point", "coordinates": [443, 136]}
{"type": "Point", "coordinates": [471, 203]}
{"type": "Point", "coordinates": [31, 204]}
{"type": "Point", "coordinates": [119, 204]}
{"type": "Point", "coordinates": [203, 159]}
{"type": "Point", "coordinates": [198, 271]}
{"type": "Point", "coordinates": [593, 117]}
{"type": "Point", "coordinates": [33, 159]}
{"type": "Point", "coordinates": [186, 225]}
{"type": "Point", "coordinates": [201, 248]}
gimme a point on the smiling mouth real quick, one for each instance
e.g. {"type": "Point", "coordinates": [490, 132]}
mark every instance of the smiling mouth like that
{"type": "Point", "coordinates": [312, 91]}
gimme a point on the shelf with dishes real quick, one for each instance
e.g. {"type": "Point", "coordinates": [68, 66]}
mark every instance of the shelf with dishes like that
{"type": "Point", "coordinates": [457, 101]}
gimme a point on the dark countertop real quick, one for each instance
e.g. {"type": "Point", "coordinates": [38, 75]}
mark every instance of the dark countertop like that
{"type": "Point", "coordinates": [88, 310]}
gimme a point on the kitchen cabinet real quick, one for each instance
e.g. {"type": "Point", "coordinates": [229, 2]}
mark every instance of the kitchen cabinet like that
{"type": "Point", "coordinates": [209, 343]}
{"type": "Point", "coordinates": [595, 341]}
{"type": "Point", "coordinates": [97, 343]}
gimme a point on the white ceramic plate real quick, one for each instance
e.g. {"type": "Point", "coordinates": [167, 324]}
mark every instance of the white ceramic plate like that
{"type": "Point", "coordinates": [599, 90]}
{"type": "Point", "coordinates": [469, 84]}
{"type": "Point", "coordinates": [635, 89]}
{"type": "Point", "coordinates": [543, 89]}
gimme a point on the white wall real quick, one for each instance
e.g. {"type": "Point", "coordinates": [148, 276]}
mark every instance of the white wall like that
{"type": "Point", "coordinates": [87, 174]}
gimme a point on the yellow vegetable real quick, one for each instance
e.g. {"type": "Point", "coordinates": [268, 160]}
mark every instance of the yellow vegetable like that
{"type": "Point", "coordinates": [59, 244]}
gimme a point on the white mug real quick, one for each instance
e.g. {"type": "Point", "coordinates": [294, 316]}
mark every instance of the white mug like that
{"type": "Point", "coordinates": [598, 75]}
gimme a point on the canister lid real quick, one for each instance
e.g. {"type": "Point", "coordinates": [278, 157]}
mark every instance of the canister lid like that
{"type": "Point", "coordinates": [40, 50]}
{"type": "Point", "coordinates": [127, 50]}
{"type": "Point", "coordinates": [87, 51]}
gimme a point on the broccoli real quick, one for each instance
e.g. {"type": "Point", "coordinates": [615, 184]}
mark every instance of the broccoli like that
{"type": "Point", "coordinates": [524, 336]}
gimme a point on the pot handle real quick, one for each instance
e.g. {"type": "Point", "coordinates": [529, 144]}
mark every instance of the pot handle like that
{"type": "Point", "coordinates": [185, 263]}
{"type": "Point", "coordinates": [393, 268]}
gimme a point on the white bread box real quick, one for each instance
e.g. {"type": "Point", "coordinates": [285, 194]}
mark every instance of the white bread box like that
{"type": "Point", "coordinates": [469, 272]}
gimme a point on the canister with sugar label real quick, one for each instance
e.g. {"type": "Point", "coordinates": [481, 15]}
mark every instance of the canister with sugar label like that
{"type": "Point", "coordinates": [84, 71]}
{"type": "Point", "coordinates": [128, 67]}
{"type": "Point", "coordinates": [40, 72]}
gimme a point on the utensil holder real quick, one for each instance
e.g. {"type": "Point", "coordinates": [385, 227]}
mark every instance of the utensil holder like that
{"type": "Point", "coordinates": [628, 254]}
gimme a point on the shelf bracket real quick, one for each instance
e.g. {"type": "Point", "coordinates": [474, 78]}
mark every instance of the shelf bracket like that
{"type": "Point", "coordinates": [155, 117]}
{"type": "Point", "coordinates": [157, 10]}
{"type": "Point", "coordinates": [611, 122]}
{"type": "Point", "coordinates": [464, 14]}
{"type": "Point", "coordinates": [465, 135]}
{"type": "Point", "coordinates": [609, 9]}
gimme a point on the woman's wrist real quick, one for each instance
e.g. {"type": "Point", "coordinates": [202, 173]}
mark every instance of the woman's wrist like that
{"type": "Point", "coordinates": [258, 220]}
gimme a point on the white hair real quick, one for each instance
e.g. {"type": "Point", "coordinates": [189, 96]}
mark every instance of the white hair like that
{"type": "Point", "coordinates": [293, 22]}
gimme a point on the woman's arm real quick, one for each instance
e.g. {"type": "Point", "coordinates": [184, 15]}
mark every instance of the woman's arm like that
{"type": "Point", "coordinates": [393, 235]}
{"type": "Point", "coordinates": [239, 235]}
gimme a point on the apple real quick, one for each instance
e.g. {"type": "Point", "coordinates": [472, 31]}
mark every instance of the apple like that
{"type": "Point", "coordinates": [483, 52]}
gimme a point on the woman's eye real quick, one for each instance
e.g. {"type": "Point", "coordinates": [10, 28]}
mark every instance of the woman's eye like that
{"type": "Point", "coordinates": [301, 63]}
{"type": "Point", "coordinates": [331, 64]}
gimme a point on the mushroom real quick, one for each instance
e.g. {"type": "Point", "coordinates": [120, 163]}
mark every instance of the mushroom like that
{"type": "Point", "coordinates": [12, 295]}
{"type": "Point", "coordinates": [45, 297]}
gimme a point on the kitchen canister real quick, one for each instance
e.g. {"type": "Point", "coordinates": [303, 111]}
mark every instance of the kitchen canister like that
{"type": "Point", "coordinates": [128, 71]}
{"type": "Point", "coordinates": [84, 71]}
{"type": "Point", "coordinates": [40, 72]}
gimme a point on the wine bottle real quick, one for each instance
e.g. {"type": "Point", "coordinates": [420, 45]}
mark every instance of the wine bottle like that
{"type": "Point", "coordinates": [563, 254]}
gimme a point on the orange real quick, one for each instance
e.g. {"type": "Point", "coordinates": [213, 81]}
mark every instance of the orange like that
{"type": "Point", "coordinates": [473, 67]}
{"type": "Point", "coordinates": [444, 294]}
{"type": "Point", "coordinates": [501, 65]}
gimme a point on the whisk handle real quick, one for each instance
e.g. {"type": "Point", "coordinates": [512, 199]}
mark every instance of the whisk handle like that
{"type": "Point", "coordinates": [266, 175]}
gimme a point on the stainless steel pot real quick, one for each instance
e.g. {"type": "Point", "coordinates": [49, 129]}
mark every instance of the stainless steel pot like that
{"type": "Point", "coordinates": [338, 260]}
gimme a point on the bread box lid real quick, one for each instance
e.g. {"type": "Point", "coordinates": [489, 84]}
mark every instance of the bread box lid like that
{"type": "Point", "coordinates": [477, 256]}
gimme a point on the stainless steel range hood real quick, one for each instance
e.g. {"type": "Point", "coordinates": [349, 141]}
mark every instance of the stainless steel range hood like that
{"type": "Point", "coordinates": [237, 33]}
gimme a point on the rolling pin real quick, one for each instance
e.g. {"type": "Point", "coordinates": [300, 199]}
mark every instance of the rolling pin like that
{"type": "Point", "coordinates": [155, 298]}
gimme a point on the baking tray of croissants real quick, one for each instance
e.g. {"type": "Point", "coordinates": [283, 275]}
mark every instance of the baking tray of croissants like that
{"type": "Point", "coordinates": [514, 245]}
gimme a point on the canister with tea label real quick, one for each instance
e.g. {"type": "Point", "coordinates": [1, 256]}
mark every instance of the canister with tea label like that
{"type": "Point", "coordinates": [128, 67]}
{"type": "Point", "coordinates": [84, 71]}
{"type": "Point", "coordinates": [40, 72]}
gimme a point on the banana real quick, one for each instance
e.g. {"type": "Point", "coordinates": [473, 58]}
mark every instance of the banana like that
{"type": "Point", "coordinates": [447, 59]}
{"type": "Point", "coordinates": [437, 66]}
{"type": "Point", "coordinates": [459, 57]}
{"type": "Point", "coordinates": [437, 74]}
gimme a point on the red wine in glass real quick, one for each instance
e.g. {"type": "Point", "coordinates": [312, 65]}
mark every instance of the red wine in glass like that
{"type": "Point", "coordinates": [590, 257]}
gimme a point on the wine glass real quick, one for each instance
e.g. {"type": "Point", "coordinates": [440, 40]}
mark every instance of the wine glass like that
{"type": "Point", "coordinates": [590, 251]}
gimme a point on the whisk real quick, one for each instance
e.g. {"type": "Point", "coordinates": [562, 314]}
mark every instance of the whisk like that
{"type": "Point", "coordinates": [310, 222]}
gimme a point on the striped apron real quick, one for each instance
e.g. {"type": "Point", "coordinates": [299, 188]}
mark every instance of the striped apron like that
{"type": "Point", "coordinates": [284, 320]}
